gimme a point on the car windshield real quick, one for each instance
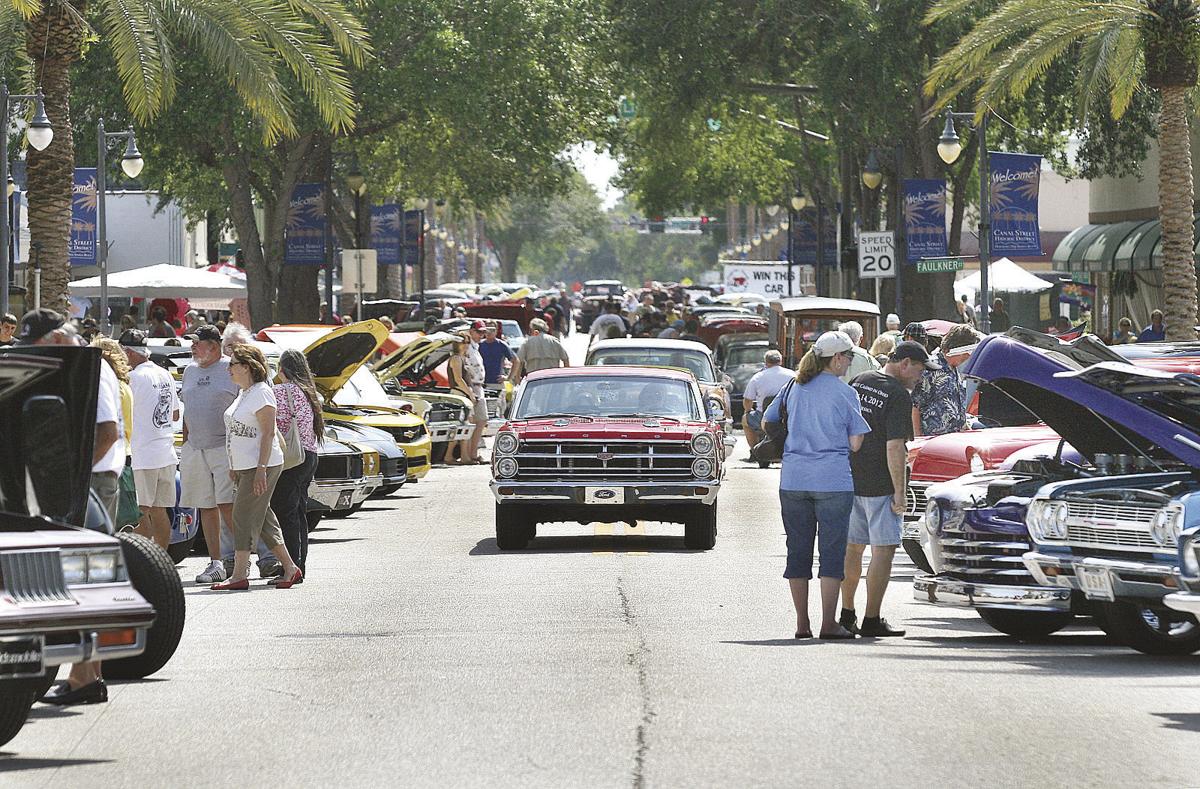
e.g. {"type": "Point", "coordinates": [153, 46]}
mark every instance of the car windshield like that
{"type": "Point", "coordinates": [624, 395]}
{"type": "Point", "coordinates": [363, 388]}
{"type": "Point", "coordinates": [744, 354]}
{"type": "Point", "coordinates": [511, 329]}
{"type": "Point", "coordinates": [697, 362]}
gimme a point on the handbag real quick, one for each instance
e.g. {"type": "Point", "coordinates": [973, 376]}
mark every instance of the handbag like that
{"type": "Point", "coordinates": [128, 511]}
{"type": "Point", "coordinates": [293, 450]}
{"type": "Point", "coordinates": [770, 448]}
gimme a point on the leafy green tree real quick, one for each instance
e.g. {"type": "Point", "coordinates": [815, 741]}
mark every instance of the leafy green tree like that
{"type": "Point", "coordinates": [1116, 48]}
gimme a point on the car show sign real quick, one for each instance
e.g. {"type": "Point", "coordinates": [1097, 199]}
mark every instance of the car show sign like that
{"type": "Point", "coordinates": [765, 279]}
{"type": "Point", "coordinates": [304, 243]}
{"type": "Point", "coordinates": [876, 255]}
{"type": "Point", "coordinates": [81, 247]}
{"type": "Point", "coordinates": [925, 218]}
{"type": "Point", "coordinates": [1013, 203]}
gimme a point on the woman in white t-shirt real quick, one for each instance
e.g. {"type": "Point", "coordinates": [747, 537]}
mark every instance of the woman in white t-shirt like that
{"type": "Point", "coordinates": [255, 463]}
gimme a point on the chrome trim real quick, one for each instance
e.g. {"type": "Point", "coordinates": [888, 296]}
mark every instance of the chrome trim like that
{"type": "Point", "coordinates": [1187, 602]}
{"type": "Point", "coordinates": [564, 492]}
{"type": "Point", "coordinates": [1119, 569]}
{"type": "Point", "coordinates": [35, 577]}
{"type": "Point", "coordinates": [940, 590]}
{"type": "Point", "coordinates": [89, 648]}
{"type": "Point", "coordinates": [915, 500]}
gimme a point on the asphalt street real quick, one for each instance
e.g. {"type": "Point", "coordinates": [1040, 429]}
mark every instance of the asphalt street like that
{"type": "Point", "coordinates": [418, 655]}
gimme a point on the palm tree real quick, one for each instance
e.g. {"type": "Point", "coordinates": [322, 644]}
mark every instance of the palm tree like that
{"type": "Point", "coordinates": [1119, 46]}
{"type": "Point", "coordinates": [260, 44]}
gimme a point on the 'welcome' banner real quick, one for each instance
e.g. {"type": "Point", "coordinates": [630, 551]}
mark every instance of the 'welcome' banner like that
{"type": "Point", "coordinates": [81, 248]}
{"type": "Point", "coordinates": [306, 228]}
{"type": "Point", "coordinates": [1015, 178]}
{"type": "Point", "coordinates": [387, 234]}
{"type": "Point", "coordinates": [925, 219]}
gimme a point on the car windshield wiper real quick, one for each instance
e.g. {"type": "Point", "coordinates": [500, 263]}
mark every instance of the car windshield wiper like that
{"type": "Point", "coordinates": [644, 416]}
{"type": "Point", "coordinates": [557, 416]}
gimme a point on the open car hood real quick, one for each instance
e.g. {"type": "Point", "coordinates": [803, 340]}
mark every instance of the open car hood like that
{"type": "Point", "coordinates": [417, 359]}
{"type": "Point", "coordinates": [335, 356]}
{"type": "Point", "coordinates": [72, 374]}
{"type": "Point", "coordinates": [1085, 396]}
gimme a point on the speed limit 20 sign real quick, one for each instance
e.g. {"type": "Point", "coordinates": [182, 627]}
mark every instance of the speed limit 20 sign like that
{"type": "Point", "coordinates": [876, 255]}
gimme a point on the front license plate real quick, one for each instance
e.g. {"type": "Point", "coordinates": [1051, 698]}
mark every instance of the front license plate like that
{"type": "Point", "coordinates": [604, 495]}
{"type": "Point", "coordinates": [345, 500]}
{"type": "Point", "coordinates": [1095, 582]}
{"type": "Point", "coordinates": [22, 657]}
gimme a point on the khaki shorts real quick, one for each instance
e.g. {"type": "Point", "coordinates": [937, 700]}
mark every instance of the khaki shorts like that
{"type": "Point", "coordinates": [479, 412]}
{"type": "Point", "coordinates": [155, 486]}
{"type": "Point", "coordinates": [204, 477]}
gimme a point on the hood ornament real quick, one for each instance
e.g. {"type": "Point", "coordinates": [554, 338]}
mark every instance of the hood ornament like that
{"type": "Point", "coordinates": [561, 422]}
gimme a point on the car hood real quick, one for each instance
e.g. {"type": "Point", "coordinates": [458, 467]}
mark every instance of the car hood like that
{"type": "Point", "coordinates": [413, 361]}
{"type": "Point", "coordinates": [1091, 406]}
{"type": "Point", "coordinates": [335, 356]}
{"type": "Point", "coordinates": [72, 374]}
{"type": "Point", "coordinates": [742, 374]}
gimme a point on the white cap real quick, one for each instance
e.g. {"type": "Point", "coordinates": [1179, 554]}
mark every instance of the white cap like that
{"type": "Point", "coordinates": [892, 318]}
{"type": "Point", "coordinates": [831, 343]}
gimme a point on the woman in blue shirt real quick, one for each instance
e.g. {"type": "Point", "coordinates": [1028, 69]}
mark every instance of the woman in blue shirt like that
{"type": "Point", "coordinates": [816, 491]}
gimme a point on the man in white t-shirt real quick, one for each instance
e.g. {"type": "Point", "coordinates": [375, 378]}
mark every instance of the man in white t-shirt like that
{"type": "Point", "coordinates": [766, 383]}
{"type": "Point", "coordinates": [47, 327]}
{"type": "Point", "coordinates": [155, 408]}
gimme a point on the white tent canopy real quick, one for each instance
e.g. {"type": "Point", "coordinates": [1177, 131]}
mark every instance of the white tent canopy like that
{"type": "Point", "coordinates": [1004, 276]}
{"type": "Point", "coordinates": [164, 281]}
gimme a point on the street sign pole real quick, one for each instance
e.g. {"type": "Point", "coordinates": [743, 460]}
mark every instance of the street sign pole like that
{"type": "Point", "coordinates": [358, 261]}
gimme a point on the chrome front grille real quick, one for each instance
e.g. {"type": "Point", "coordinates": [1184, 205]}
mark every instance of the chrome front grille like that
{"type": "Point", "coordinates": [915, 501]}
{"type": "Point", "coordinates": [1100, 523]}
{"type": "Point", "coordinates": [994, 560]}
{"type": "Point", "coordinates": [1079, 534]}
{"type": "Point", "coordinates": [1110, 512]}
{"type": "Point", "coordinates": [604, 461]}
{"type": "Point", "coordinates": [34, 577]}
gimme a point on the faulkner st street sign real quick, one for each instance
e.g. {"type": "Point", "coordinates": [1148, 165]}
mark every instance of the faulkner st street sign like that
{"type": "Point", "coordinates": [935, 265]}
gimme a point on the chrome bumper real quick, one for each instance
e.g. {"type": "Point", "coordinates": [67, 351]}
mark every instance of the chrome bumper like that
{"type": "Point", "coordinates": [448, 431]}
{"type": "Point", "coordinates": [1187, 602]}
{"type": "Point", "coordinates": [1129, 578]}
{"type": "Point", "coordinates": [953, 592]}
{"type": "Point", "coordinates": [369, 486]}
{"type": "Point", "coordinates": [327, 492]}
{"type": "Point", "coordinates": [688, 491]}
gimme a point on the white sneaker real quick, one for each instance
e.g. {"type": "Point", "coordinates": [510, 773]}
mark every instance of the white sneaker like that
{"type": "Point", "coordinates": [214, 574]}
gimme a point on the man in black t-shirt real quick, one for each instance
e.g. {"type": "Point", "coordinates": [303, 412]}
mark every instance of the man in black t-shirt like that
{"type": "Point", "coordinates": [878, 468]}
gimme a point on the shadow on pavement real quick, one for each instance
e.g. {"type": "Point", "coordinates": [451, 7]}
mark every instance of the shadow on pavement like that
{"type": "Point", "coordinates": [12, 763]}
{"type": "Point", "coordinates": [1180, 721]}
{"type": "Point", "coordinates": [1072, 655]}
{"type": "Point", "coordinates": [589, 544]}
{"type": "Point", "coordinates": [332, 540]}
{"type": "Point", "coordinates": [50, 712]}
{"type": "Point", "coordinates": [777, 642]}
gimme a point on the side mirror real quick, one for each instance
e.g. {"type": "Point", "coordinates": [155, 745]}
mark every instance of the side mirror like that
{"type": "Point", "coordinates": [45, 446]}
{"type": "Point", "coordinates": [716, 411]}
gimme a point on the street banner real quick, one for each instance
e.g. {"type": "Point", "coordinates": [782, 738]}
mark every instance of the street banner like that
{"type": "Point", "coordinates": [925, 218]}
{"type": "Point", "coordinates": [1014, 203]}
{"type": "Point", "coordinates": [413, 237]}
{"type": "Point", "coordinates": [81, 248]}
{"type": "Point", "coordinates": [876, 255]}
{"type": "Point", "coordinates": [765, 279]}
{"type": "Point", "coordinates": [306, 228]}
{"type": "Point", "coordinates": [804, 238]}
{"type": "Point", "coordinates": [387, 234]}
{"type": "Point", "coordinates": [1079, 294]}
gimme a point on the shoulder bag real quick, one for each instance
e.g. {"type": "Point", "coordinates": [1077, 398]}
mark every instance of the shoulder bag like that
{"type": "Point", "coordinates": [770, 448]}
{"type": "Point", "coordinates": [293, 450]}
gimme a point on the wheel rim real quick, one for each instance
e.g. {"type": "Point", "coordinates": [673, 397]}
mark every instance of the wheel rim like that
{"type": "Point", "coordinates": [1167, 624]}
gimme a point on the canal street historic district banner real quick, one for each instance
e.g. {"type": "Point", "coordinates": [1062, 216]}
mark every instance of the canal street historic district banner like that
{"type": "Point", "coordinates": [387, 233]}
{"type": "Point", "coordinates": [305, 242]}
{"type": "Point", "coordinates": [925, 218]}
{"type": "Point", "coordinates": [1015, 178]}
{"type": "Point", "coordinates": [81, 248]}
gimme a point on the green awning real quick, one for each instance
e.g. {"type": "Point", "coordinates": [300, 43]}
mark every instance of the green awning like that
{"type": "Point", "coordinates": [1118, 246]}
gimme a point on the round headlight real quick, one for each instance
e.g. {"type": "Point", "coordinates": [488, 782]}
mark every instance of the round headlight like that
{"type": "Point", "coordinates": [703, 444]}
{"type": "Point", "coordinates": [1158, 526]}
{"type": "Point", "coordinates": [1056, 520]}
{"type": "Point", "coordinates": [1189, 558]}
{"type": "Point", "coordinates": [933, 517]}
{"type": "Point", "coordinates": [702, 468]}
{"type": "Point", "coordinates": [506, 444]}
{"type": "Point", "coordinates": [506, 467]}
{"type": "Point", "coordinates": [1174, 525]}
{"type": "Point", "coordinates": [1033, 518]}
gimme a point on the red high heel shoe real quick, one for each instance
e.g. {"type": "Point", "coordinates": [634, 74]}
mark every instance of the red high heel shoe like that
{"type": "Point", "coordinates": [290, 582]}
{"type": "Point", "coordinates": [232, 586]}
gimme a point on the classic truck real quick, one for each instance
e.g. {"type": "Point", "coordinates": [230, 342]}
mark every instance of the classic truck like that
{"type": "Point", "coordinates": [607, 443]}
{"type": "Point", "coordinates": [67, 593]}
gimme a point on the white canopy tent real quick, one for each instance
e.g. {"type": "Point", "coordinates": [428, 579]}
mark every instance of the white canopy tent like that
{"type": "Point", "coordinates": [167, 281]}
{"type": "Point", "coordinates": [1004, 276]}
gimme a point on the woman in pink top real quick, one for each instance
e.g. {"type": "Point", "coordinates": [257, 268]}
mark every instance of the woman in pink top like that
{"type": "Point", "coordinates": [298, 404]}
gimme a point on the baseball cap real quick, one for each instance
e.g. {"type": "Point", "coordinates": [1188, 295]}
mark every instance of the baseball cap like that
{"type": "Point", "coordinates": [831, 343]}
{"type": "Point", "coordinates": [892, 318]}
{"type": "Point", "coordinates": [205, 333]}
{"type": "Point", "coordinates": [478, 325]}
{"type": "Point", "coordinates": [912, 350]}
{"type": "Point", "coordinates": [915, 331]}
{"type": "Point", "coordinates": [133, 338]}
{"type": "Point", "coordinates": [36, 324]}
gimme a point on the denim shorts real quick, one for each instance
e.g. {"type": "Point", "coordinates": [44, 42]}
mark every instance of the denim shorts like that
{"type": "Point", "coordinates": [821, 517]}
{"type": "Point", "coordinates": [872, 521]}
{"type": "Point", "coordinates": [754, 419]}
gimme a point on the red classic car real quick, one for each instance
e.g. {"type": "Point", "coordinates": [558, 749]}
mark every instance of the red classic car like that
{"type": "Point", "coordinates": [714, 326]}
{"type": "Point", "coordinates": [607, 444]}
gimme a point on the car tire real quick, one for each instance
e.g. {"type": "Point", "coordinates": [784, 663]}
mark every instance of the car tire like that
{"type": "Point", "coordinates": [178, 551]}
{"type": "Point", "coordinates": [45, 682]}
{"type": "Point", "coordinates": [1140, 628]}
{"type": "Point", "coordinates": [700, 529]}
{"type": "Point", "coordinates": [16, 699]}
{"type": "Point", "coordinates": [1026, 625]}
{"type": "Point", "coordinates": [917, 554]}
{"type": "Point", "coordinates": [514, 529]}
{"type": "Point", "coordinates": [153, 575]}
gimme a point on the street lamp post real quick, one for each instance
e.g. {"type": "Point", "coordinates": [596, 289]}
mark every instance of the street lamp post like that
{"type": "Point", "coordinates": [949, 147]}
{"type": "Point", "coordinates": [39, 135]}
{"type": "Point", "coordinates": [131, 163]}
{"type": "Point", "coordinates": [795, 206]}
{"type": "Point", "coordinates": [357, 184]}
{"type": "Point", "coordinates": [872, 178]}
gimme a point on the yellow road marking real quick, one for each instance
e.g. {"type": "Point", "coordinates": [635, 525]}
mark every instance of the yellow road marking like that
{"type": "Point", "coordinates": [603, 530]}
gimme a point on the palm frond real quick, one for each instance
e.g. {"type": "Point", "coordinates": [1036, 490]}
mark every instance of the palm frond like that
{"type": "Point", "coordinates": [137, 37]}
{"type": "Point", "coordinates": [347, 32]}
{"type": "Point", "coordinates": [945, 9]}
{"type": "Point", "coordinates": [1094, 58]}
{"type": "Point", "coordinates": [25, 9]}
{"type": "Point", "coordinates": [1015, 69]}
{"type": "Point", "coordinates": [1125, 70]}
